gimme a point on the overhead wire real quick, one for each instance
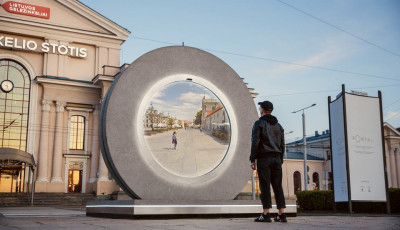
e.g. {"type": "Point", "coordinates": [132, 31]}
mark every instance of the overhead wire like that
{"type": "Point", "coordinates": [279, 61]}
{"type": "Point", "coordinates": [324, 91]}
{"type": "Point", "coordinates": [391, 104]}
{"type": "Point", "coordinates": [340, 29]}
{"type": "Point", "coordinates": [394, 116]}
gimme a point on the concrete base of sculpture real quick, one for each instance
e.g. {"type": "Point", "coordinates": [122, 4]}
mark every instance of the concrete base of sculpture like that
{"type": "Point", "coordinates": [157, 208]}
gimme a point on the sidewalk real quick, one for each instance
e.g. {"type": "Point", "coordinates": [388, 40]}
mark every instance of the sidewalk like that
{"type": "Point", "coordinates": [197, 152]}
{"type": "Point", "coordinates": [74, 218]}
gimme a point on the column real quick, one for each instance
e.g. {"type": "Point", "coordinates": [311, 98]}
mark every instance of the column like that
{"type": "Point", "coordinates": [85, 143]}
{"type": "Point", "coordinates": [387, 159]}
{"type": "Point", "coordinates": [44, 142]}
{"type": "Point", "coordinates": [397, 157]}
{"type": "Point", "coordinates": [94, 161]}
{"type": "Point", "coordinates": [103, 171]}
{"type": "Point", "coordinates": [57, 157]}
{"type": "Point", "coordinates": [392, 166]}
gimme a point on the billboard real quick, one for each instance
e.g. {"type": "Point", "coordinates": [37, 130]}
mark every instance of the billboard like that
{"type": "Point", "coordinates": [357, 148]}
{"type": "Point", "coordinates": [339, 169]}
{"type": "Point", "coordinates": [364, 138]}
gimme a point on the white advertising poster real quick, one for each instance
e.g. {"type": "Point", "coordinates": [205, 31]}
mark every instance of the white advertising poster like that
{"type": "Point", "coordinates": [338, 150]}
{"type": "Point", "coordinates": [367, 180]}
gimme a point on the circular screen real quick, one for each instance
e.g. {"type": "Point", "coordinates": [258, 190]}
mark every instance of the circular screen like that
{"type": "Point", "coordinates": [186, 129]}
{"type": "Point", "coordinates": [176, 125]}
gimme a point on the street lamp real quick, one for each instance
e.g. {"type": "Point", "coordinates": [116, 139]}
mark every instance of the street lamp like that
{"type": "Point", "coordinates": [285, 143]}
{"type": "Point", "coordinates": [304, 144]}
{"type": "Point", "coordinates": [287, 177]}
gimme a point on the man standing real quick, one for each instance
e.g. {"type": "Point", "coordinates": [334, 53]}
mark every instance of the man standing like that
{"type": "Point", "coordinates": [267, 147]}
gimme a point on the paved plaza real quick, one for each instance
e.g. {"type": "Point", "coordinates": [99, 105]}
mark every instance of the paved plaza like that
{"type": "Point", "coordinates": [196, 154]}
{"type": "Point", "coordinates": [74, 218]}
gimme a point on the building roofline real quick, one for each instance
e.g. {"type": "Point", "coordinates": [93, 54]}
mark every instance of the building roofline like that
{"type": "Point", "coordinates": [117, 31]}
{"type": "Point", "coordinates": [392, 128]}
{"type": "Point", "coordinates": [103, 16]}
{"type": "Point", "coordinates": [310, 139]}
{"type": "Point", "coordinates": [65, 81]}
{"type": "Point", "coordinates": [214, 111]}
{"type": "Point", "coordinates": [309, 157]}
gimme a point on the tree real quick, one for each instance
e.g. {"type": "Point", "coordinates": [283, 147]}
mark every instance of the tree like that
{"type": "Point", "coordinates": [152, 117]}
{"type": "Point", "coordinates": [170, 122]}
{"type": "Point", "coordinates": [197, 120]}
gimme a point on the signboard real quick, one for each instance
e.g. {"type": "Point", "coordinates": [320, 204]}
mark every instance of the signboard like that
{"type": "Point", "coordinates": [27, 9]}
{"type": "Point", "coordinates": [358, 164]}
{"type": "Point", "coordinates": [338, 150]}
{"type": "Point", "coordinates": [364, 136]}
{"type": "Point", "coordinates": [44, 47]}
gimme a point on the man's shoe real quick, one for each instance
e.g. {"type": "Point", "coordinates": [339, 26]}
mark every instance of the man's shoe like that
{"type": "Point", "coordinates": [281, 218]}
{"type": "Point", "coordinates": [263, 218]}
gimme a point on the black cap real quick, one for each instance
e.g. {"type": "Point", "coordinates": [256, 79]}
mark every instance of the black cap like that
{"type": "Point", "coordinates": [266, 105]}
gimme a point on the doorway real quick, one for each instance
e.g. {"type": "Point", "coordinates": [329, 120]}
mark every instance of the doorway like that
{"type": "Point", "coordinates": [75, 175]}
{"type": "Point", "coordinates": [75, 181]}
{"type": "Point", "coordinates": [12, 177]}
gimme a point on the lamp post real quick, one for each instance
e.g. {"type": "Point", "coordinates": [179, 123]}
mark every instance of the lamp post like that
{"type": "Point", "coordinates": [305, 144]}
{"type": "Point", "coordinates": [287, 176]}
{"type": "Point", "coordinates": [285, 143]}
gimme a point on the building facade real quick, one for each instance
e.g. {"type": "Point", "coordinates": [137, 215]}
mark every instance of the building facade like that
{"type": "Point", "coordinates": [319, 146]}
{"type": "Point", "coordinates": [57, 61]}
{"type": "Point", "coordinates": [207, 106]}
{"type": "Point", "coordinates": [155, 120]}
{"type": "Point", "coordinates": [392, 149]}
{"type": "Point", "coordinates": [215, 118]}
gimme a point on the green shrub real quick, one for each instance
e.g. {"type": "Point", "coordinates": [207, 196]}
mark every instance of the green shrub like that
{"type": "Point", "coordinates": [315, 200]}
{"type": "Point", "coordinates": [323, 200]}
{"type": "Point", "coordinates": [394, 197]}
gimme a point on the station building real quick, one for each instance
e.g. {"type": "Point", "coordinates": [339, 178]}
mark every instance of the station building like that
{"type": "Point", "coordinates": [57, 61]}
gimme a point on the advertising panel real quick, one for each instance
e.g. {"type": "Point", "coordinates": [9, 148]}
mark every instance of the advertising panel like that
{"type": "Point", "coordinates": [365, 148]}
{"type": "Point", "coordinates": [338, 150]}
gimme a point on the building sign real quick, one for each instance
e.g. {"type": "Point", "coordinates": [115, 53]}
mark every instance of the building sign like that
{"type": "Point", "coordinates": [44, 47]}
{"type": "Point", "coordinates": [357, 148]}
{"type": "Point", "coordinates": [338, 150]}
{"type": "Point", "coordinates": [27, 9]}
{"type": "Point", "coordinates": [364, 138]}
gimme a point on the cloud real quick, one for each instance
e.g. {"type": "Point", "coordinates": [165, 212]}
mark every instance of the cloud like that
{"type": "Point", "coordinates": [182, 111]}
{"type": "Point", "coordinates": [333, 49]}
{"type": "Point", "coordinates": [190, 97]}
{"type": "Point", "coordinates": [391, 114]}
{"type": "Point", "coordinates": [184, 106]}
{"type": "Point", "coordinates": [156, 101]}
{"type": "Point", "coordinates": [157, 97]}
{"type": "Point", "coordinates": [159, 94]}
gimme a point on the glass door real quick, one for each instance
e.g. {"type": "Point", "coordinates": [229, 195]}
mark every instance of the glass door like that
{"type": "Point", "coordinates": [11, 178]}
{"type": "Point", "coordinates": [75, 181]}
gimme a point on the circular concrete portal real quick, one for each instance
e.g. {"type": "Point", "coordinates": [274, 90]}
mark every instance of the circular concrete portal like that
{"type": "Point", "coordinates": [123, 144]}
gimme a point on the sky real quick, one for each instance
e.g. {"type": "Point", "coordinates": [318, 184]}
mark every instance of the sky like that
{"type": "Point", "coordinates": [181, 100]}
{"type": "Point", "coordinates": [294, 53]}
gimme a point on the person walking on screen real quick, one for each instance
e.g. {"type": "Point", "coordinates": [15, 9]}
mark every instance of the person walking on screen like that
{"type": "Point", "coordinates": [174, 140]}
{"type": "Point", "coordinates": [267, 148]}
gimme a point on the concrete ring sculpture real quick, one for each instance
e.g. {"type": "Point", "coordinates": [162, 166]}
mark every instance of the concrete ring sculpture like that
{"type": "Point", "coordinates": [121, 126]}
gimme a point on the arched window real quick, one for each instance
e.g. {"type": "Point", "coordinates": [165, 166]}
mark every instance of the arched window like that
{"type": "Point", "coordinates": [77, 133]}
{"type": "Point", "coordinates": [15, 87]}
{"type": "Point", "coordinates": [14, 104]}
{"type": "Point", "coordinates": [315, 178]}
{"type": "Point", "coordinates": [297, 181]}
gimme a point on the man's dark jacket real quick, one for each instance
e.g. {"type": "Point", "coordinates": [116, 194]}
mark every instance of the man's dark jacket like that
{"type": "Point", "coordinates": [267, 138]}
